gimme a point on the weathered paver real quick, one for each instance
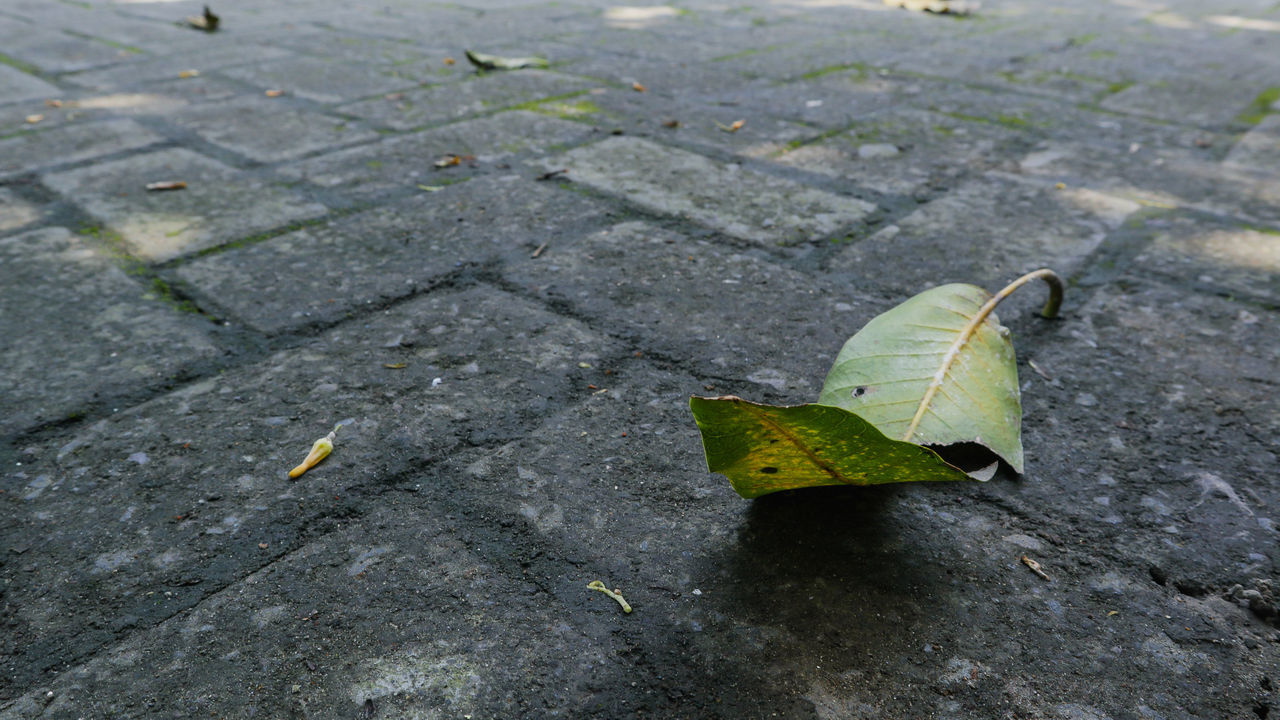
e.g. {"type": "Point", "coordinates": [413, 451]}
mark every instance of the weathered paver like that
{"type": "Point", "coordinates": [987, 231]}
{"type": "Point", "coordinates": [510, 344]}
{"type": "Point", "coordinates": [470, 96]}
{"type": "Point", "coordinates": [18, 85]}
{"type": "Point", "coordinates": [111, 336]}
{"type": "Point", "coordinates": [408, 161]}
{"type": "Point", "coordinates": [161, 226]}
{"type": "Point", "coordinates": [259, 129]}
{"type": "Point", "coordinates": [71, 143]}
{"type": "Point", "coordinates": [322, 80]}
{"type": "Point", "coordinates": [741, 202]}
{"type": "Point", "coordinates": [320, 274]}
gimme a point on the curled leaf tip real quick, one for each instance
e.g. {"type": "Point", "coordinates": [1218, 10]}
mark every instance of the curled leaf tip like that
{"type": "Point", "coordinates": [320, 449]}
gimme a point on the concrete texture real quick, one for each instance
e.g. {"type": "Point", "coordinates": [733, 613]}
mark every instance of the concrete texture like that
{"type": "Point", "coordinates": [509, 344]}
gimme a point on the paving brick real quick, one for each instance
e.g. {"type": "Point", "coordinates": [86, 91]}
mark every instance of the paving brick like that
{"type": "Point", "coordinates": [71, 143]}
{"type": "Point", "coordinates": [266, 130]}
{"type": "Point", "coordinates": [407, 161]}
{"type": "Point", "coordinates": [986, 231]}
{"type": "Point", "coordinates": [16, 212]}
{"type": "Point", "coordinates": [55, 52]}
{"type": "Point", "coordinates": [323, 80]}
{"type": "Point", "coordinates": [1206, 103]}
{"type": "Point", "coordinates": [743, 203]}
{"type": "Point", "coordinates": [1259, 148]}
{"type": "Point", "coordinates": [160, 226]}
{"type": "Point", "coordinates": [108, 338]}
{"type": "Point", "coordinates": [453, 101]}
{"type": "Point", "coordinates": [324, 273]}
{"type": "Point", "coordinates": [17, 85]}
{"type": "Point", "coordinates": [1241, 261]}
{"type": "Point", "coordinates": [703, 304]}
{"type": "Point", "coordinates": [200, 55]}
{"type": "Point", "coordinates": [503, 363]}
{"type": "Point", "coordinates": [905, 152]}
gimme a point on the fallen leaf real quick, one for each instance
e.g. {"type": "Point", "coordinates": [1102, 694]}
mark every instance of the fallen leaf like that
{"type": "Point", "coordinates": [33, 119]}
{"type": "Point", "coordinates": [274, 93]}
{"type": "Point", "coordinates": [448, 161]}
{"type": "Point", "coordinates": [937, 369]}
{"type": "Point", "coordinates": [166, 185]}
{"type": "Point", "coordinates": [189, 74]}
{"type": "Point", "coordinates": [937, 7]}
{"type": "Point", "coordinates": [734, 127]}
{"type": "Point", "coordinates": [497, 62]}
{"type": "Point", "coordinates": [638, 87]}
{"type": "Point", "coordinates": [671, 123]}
{"type": "Point", "coordinates": [395, 366]}
{"type": "Point", "coordinates": [53, 103]}
{"type": "Point", "coordinates": [431, 188]}
{"type": "Point", "coordinates": [449, 61]}
{"type": "Point", "coordinates": [205, 21]}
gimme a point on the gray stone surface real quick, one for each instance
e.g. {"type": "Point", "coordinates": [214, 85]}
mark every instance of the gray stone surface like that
{"type": "Point", "coordinates": [17, 85]}
{"type": "Point", "coordinates": [111, 335]}
{"type": "Point", "coordinates": [218, 205]}
{"type": "Point", "coordinates": [71, 143]}
{"type": "Point", "coordinates": [321, 274]}
{"type": "Point", "coordinates": [326, 80]}
{"type": "Point", "coordinates": [471, 96]}
{"type": "Point", "coordinates": [260, 129]}
{"type": "Point", "coordinates": [407, 161]}
{"type": "Point", "coordinates": [741, 202]}
{"type": "Point", "coordinates": [510, 351]}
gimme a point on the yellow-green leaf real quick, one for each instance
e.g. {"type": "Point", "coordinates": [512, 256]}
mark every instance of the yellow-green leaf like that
{"type": "Point", "coordinates": [765, 448]}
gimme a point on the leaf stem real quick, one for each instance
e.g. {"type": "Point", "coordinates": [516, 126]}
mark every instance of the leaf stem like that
{"type": "Point", "coordinates": [1050, 310]}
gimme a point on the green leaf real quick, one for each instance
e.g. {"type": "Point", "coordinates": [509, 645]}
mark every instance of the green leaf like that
{"type": "Point", "coordinates": [929, 371]}
{"type": "Point", "coordinates": [497, 62]}
{"type": "Point", "coordinates": [765, 448]}
{"type": "Point", "coordinates": [938, 369]}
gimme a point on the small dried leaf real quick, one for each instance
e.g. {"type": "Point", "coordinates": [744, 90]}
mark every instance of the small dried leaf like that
{"type": "Point", "coordinates": [395, 366]}
{"type": "Point", "coordinates": [274, 93]}
{"type": "Point", "coordinates": [448, 161]}
{"type": "Point", "coordinates": [732, 128]}
{"type": "Point", "coordinates": [638, 87]}
{"type": "Point", "coordinates": [431, 188]}
{"type": "Point", "coordinates": [673, 123]}
{"type": "Point", "coordinates": [450, 61]}
{"type": "Point", "coordinates": [497, 62]}
{"type": "Point", "coordinates": [166, 185]}
{"type": "Point", "coordinates": [189, 74]}
{"type": "Point", "coordinates": [53, 103]}
{"type": "Point", "coordinates": [33, 119]}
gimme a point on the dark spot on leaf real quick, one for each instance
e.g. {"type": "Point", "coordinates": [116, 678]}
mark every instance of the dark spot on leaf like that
{"type": "Point", "coordinates": [769, 470]}
{"type": "Point", "coordinates": [859, 391]}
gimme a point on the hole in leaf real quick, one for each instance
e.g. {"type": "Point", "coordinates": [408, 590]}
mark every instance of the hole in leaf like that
{"type": "Point", "coordinates": [769, 470]}
{"type": "Point", "coordinates": [859, 391]}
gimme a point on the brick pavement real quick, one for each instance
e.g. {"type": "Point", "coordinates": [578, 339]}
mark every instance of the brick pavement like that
{"type": "Point", "coordinates": [512, 348]}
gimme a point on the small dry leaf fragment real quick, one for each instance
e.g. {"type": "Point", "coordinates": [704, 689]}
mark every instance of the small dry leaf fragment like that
{"type": "Point", "coordinates": [431, 188]}
{"type": "Point", "coordinates": [166, 185]}
{"type": "Point", "coordinates": [497, 62]}
{"type": "Point", "coordinates": [53, 103]}
{"type": "Point", "coordinates": [320, 449]}
{"type": "Point", "coordinates": [673, 123]}
{"type": "Point", "coordinates": [33, 119]}
{"type": "Point", "coordinates": [450, 61]}
{"type": "Point", "coordinates": [395, 366]}
{"type": "Point", "coordinates": [732, 128]}
{"type": "Point", "coordinates": [615, 594]}
{"type": "Point", "coordinates": [1039, 370]}
{"type": "Point", "coordinates": [638, 87]}
{"type": "Point", "coordinates": [262, 546]}
{"type": "Point", "coordinates": [1035, 567]}
{"type": "Point", "coordinates": [274, 93]}
{"type": "Point", "coordinates": [538, 251]}
{"type": "Point", "coordinates": [448, 161]}
{"type": "Point", "coordinates": [205, 21]}
{"type": "Point", "coordinates": [189, 74]}
{"type": "Point", "coordinates": [1060, 186]}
